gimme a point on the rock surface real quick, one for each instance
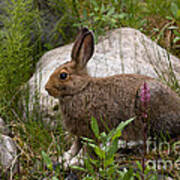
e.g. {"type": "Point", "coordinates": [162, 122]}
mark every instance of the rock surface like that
{"type": "Point", "coordinates": [124, 50]}
{"type": "Point", "coordinates": [8, 149]}
{"type": "Point", "coordinates": [8, 152]}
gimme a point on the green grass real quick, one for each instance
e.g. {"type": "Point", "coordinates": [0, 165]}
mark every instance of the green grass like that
{"type": "Point", "coordinates": [158, 19]}
{"type": "Point", "coordinates": [17, 53]}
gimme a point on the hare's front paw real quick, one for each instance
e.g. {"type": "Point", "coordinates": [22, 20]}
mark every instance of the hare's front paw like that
{"type": "Point", "coordinates": [67, 160]}
{"type": "Point", "coordinates": [77, 160]}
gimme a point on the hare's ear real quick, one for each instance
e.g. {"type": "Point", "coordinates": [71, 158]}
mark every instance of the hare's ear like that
{"type": "Point", "coordinates": [83, 48]}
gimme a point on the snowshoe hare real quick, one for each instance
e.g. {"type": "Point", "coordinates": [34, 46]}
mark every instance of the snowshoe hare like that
{"type": "Point", "coordinates": [112, 99]}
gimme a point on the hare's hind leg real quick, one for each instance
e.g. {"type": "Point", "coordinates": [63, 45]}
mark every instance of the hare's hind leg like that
{"type": "Point", "coordinates": [164, 109]}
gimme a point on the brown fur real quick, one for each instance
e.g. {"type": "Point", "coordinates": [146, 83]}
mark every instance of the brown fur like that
{"type": "Point", "coordinates": [112, 99]}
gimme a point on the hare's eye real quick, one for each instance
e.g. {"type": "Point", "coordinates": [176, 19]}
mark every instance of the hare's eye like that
{"type": "Point", "coordinates": [63, 75]}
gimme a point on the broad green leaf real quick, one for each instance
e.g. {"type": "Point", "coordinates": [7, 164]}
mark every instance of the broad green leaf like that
{"type": "Point", "coordinates": [128, 175]}
{"type": "Point", "coordinates": [113, 21]}
{"type": "Point", "coordinates": [117, 134]}
{"type": "Point", "coordinates": [88, 140]}
{"type": "Point", "coordinates": [94, 127]}
{"type": "Point", "coordinates": [176, 39]}
{"type": "Point", "coordinates": [178, 14]}
{"type": "Point", "coordinates": [169, 18]}
{"type": "Point", "coordinates": [139, 165]}
{"type": "Point", "coordinates": [111, 11]}
{"type": "Point", "coordinates": [122, 15]}
{"type": "Point", "coordinates": [94, 3]}
{"type": "Point", "coordinates": [84, 13]}
{"type": "Point", "coordinates": [99, 152]}
{"type": "Point", "coordinates": [103, 135]}
{"type": "Point", "coordinates": [120, 127]}
{"type": "Point", "coordinates": [96, 9]}
{"type": "Point", "coordinates": [88, 165]}
{"type": "Point", "coordinates": [174, 9]}
{"type": "Point", "coordinates": [176, 33]}
{"type": "Point", "coordinates": [108, 162]}
{"type": "Point", "coordinates": [54, 178]}
{"type": "Point", "coordinates": [110, 171]}
{"type": "Point", "coordinates": [125, 123]}
{"type": "Point", "coordinates": [88, 178]}
{"type": "Point", "coordinates": [110, 135]}
{"type": "Point", "coordinates": [102, 8]}
{"type": "Point", "coordinates": [112, 149]}
{"type": "Point", "coordinates": [47, 160]}
{"type": "Point", "coordinates": [79, 168]}
{"type": "Point", "coordinates": [93, 161]}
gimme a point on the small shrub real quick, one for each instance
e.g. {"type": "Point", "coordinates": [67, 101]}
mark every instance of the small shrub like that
{"type": "Point", "coordinates": [17, 51]}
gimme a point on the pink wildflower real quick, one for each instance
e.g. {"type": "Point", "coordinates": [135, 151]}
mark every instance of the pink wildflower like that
{"type": "Point", "coordinates": [145, 94]}
{"type": "Point", "coordinates": [145, 98]}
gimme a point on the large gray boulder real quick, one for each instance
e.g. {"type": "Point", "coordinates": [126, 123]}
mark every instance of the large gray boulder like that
{"type": "Point", "coordinates": [124, 50]}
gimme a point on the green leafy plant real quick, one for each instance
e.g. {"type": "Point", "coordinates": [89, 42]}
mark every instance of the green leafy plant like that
{"type": "Point", "coordinates": [175, 10]}
{"type": "Point", "coordinates": [100, 16]}
{"type": "Point", "coordinates": [105, 152]}
{"type": "Point", "coordinates": [47, 161]}
{"type": "Point", "coordinates": [104, 15]}
{"type": "Point", "coordinates": [104, 165]}
{"type": "Point", "coordinates": [49, 165]}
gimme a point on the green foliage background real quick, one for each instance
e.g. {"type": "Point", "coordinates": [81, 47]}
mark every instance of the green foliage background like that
{"type": "Point", "coordinates": [17, 52]}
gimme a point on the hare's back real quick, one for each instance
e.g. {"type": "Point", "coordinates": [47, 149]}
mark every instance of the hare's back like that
{"type": "Point", "coordinates": [124, 97]}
